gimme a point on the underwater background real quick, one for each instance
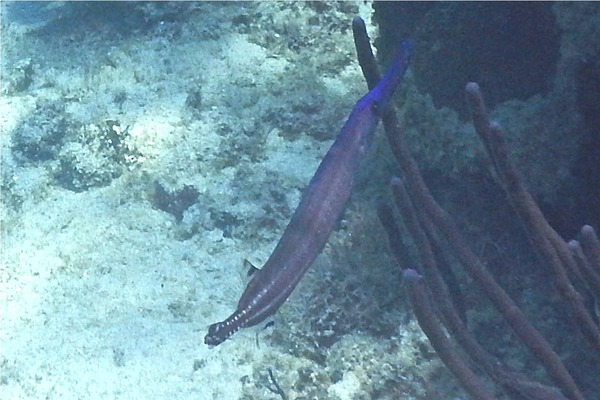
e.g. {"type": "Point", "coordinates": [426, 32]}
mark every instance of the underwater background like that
{"type": "Point", "coordinates": [150, 151]}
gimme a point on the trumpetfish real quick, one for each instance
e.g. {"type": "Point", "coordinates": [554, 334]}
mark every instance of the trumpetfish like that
{"type": "Point", "coordinates": [321, 206]}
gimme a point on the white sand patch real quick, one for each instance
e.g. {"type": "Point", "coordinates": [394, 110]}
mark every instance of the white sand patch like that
{"type": "Point", "coordinates": [347, 388]}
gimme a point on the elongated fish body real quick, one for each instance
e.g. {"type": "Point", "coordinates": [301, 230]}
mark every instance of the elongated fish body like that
{"type": "Point", "coordinates": [321, 206]}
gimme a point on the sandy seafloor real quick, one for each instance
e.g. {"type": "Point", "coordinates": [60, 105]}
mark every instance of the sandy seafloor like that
{"type": "Point", "coordinates": [151, 150]}
{"type": "Point", "coordinates": [105, 295]}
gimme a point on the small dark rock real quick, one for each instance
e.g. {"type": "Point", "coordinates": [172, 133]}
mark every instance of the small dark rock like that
{"type": "Point", "coordinates": [22, 76]}
{"type": "Point", "coordinates": [40, 137]}
{"type": "Point", "coordinates": [194, 100]}
{"type": "Point", "coordinates": [225, 221]}
{"type": "Point", "coordinates": [175, 202]}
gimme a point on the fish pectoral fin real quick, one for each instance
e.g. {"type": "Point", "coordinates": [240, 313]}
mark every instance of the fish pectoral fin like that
{"type": "Point", "coordinates": [251, 267]}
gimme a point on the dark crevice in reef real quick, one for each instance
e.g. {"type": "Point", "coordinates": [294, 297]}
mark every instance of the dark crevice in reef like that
{"type": "Point", "coordinates": [510, 49]}
{"type": "Point", "coordinates": [569, 214]}
{"type": "Point", "coordinates": [588, 167]}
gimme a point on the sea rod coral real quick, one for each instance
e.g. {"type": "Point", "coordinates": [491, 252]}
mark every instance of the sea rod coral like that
{"type": "Point", "coordinates": [434, 306]}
